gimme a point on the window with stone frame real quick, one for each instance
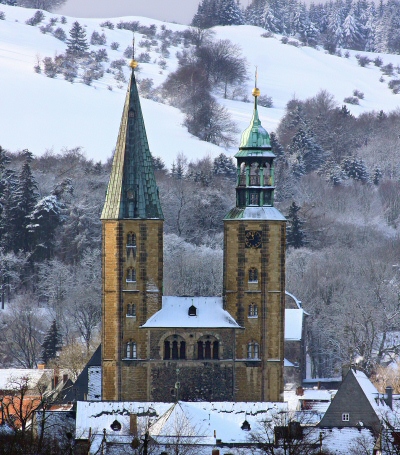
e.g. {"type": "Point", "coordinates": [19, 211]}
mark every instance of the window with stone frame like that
{"type": "Point", "coordinates": [253, 350]}
{"type": "Point", "coordinates": [131, 350]}
{"type": "Point", "coordinates": [253, 275]}
{"type": "Point", "coordinates": [345, 417]}
{"type": "Point", "coordinates": [131, 244]}
{"type": "Point", "coordinates": [131, 309]}
{"type": "Point", "coordinates": [253, 311]}
{"type": "Point", "coordinates": [208, 348]}
{"type": "Point", "coordinates": [174, 348]}
{"type": "Point", "coordinates": [131, 275]}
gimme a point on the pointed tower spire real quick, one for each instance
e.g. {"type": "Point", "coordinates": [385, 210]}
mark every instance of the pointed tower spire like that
{"type": "Point", "coordinates": [255, 169]}
{"type": "Point", "coordinates": [132, 191]}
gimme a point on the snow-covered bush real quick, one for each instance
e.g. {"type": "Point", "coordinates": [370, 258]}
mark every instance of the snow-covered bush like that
{"type": "Point", "coordinates": [114, 46]}
{"type": "Point", "coordinates": [388, 69]}
{"type": "Point", "coordinates": [267, 34]}
{"type": "Point", "coordinates": [363, 60]}
{"type": "Point", "coordinates": [46, 29]}
{"type": "Point", "coordinates": [101, 55]}
{"type": "Point", "coordinates": [378, 61]}
{"type": "Point", "coordinates": [265, 101]}
{"type": "Point", "coordinates": [133, 26]}
{"type": "Point", "coordinates": [144, 57]}
{"type": "Point", "coordinates": [36, 18]}
{"type": "Point", "coordinates": [358, 94]}
{"type": "Point", "coordinates": [107, 24]}
{"type": "Point", "coordinates": [50, 67]}
{"type": "Point", "coordinates": [60, 34]}
{"type": "Point", "coordinates": [63, 20]}
{"type": "Point", "coordinates": [2, 16]}
{"type": "Point", "coordinates": [128, 52]}
{"type": "Point", "coordinates": [394, 86]}
{"type": "Point", "coordinates": [118, 64]}
{"type": "Point", "coordinates": [97, 39]}
{"type": "Point", "coordinates": [351, 100]}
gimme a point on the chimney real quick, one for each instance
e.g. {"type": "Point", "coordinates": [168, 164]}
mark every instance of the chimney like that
{"type": "Point", "coordinates": [389, 396]}
{"type": "Point", "coordinates": [215, 452]}
{"type": "Point", "coordinates": [133, 424]}
{"type": "Point", "coordinates": [41, 366]}
{"type": "Point", "coordinates": [300, 391]}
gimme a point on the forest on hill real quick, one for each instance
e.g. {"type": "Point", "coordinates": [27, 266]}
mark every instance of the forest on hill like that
{"type": "Point", "coordinates": [337, 182]}
{"type": "Point", "coordinates": [350, 24]}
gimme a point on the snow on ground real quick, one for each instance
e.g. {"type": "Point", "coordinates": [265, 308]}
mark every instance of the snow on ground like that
{"type": "Point", "coordinates": [41, 114]}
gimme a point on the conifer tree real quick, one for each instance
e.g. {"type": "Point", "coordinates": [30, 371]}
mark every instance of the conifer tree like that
{"type": "Point", "coordinates": [295, 235]}
{"type": "Point", "coordinates": [254, 13]}
{"type": "Point", "coordinates": [223, 165]}
{"type": "Point", "coordinates": [52, 343]}
{"type": "Point", "coordinates": [77, 44]}
{"type": "Point", "coordinates": [25, 198]}
{"type": "Point", "coordinates": [230, 13]}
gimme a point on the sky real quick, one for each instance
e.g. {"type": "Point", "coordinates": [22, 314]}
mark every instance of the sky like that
{"type": "Point", "coordinates": [181, 11]}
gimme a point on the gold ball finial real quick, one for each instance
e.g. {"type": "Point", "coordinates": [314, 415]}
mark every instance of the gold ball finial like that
{"type": "Point", "coordinates": [134, 64]}
{"type": "Point", "coordinates": [256, 91]}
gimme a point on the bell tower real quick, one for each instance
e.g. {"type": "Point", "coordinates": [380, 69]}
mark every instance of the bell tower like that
{"type": "Point", "coordinates": [254, 269]}
{"type": "Point", "coordinates": [132, 257]}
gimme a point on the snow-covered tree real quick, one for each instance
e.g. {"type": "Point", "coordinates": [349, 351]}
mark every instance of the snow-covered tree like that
{"type": "Point", "coordinates": [230, 13]}
{"type": "Point", "coordinates": [48, 5]}
{"type": "Point", "coordinates": [24, 201]}
{"type": "Point", "coordinates": [77, 44]}
{"type": "Point", "coordinates": [295, 235]}
{"type": "Point", "coordinates": [355, 169]}
{"type": "Point", "coordinates": [254, 13]}
{"type": "Point", "coordinates": [52, 343]}
{"type": "Point", "coordinates": [352, 32]}
{"type": "Point", "coordinates": [223, 165]}
{"type": "Point", "coordinates": [306, 154]}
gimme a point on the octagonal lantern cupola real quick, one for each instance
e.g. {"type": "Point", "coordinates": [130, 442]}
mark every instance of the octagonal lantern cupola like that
{"type": "Point", "coordinates": [255, 165]}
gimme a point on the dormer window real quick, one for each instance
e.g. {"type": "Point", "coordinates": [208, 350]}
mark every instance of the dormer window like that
{"type": "Point", "coordinates": [192, 311]}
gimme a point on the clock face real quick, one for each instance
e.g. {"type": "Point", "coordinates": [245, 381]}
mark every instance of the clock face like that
{"type": "Point", "coordinates": [253, 239]}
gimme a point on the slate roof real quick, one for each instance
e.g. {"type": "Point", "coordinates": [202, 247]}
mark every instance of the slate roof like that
{"type": "Point", "coordinates": [132, 191]}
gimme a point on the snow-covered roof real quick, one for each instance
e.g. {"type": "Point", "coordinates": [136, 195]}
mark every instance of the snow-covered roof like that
{"type": "Point", "coordinates": [260, 213]}
{"type": "Point", "coordinates": [341, 440]}
{"type": "Point", "coordinates": [175, 313]}
{"type": "Point", "coordinates": [293, 324]}
{"type": "Point", "coordinates": [295, 299]}
{"type": "Point", "coordinates": [288, 363]}
{"type": "Point", "coordinates": [203, 421]}
{"type": "Point", "coordinates": [10, 376]}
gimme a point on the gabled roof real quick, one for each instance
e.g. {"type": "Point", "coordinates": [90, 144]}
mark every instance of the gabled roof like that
{"type": "Point", "coordinates": [359, 399]}
{"type": "Point", "coordinates": [11, 377]}
{"type": "Point", "coordinates": [175, 313]}
{"type": "Point", "coordinates": [132, 191]}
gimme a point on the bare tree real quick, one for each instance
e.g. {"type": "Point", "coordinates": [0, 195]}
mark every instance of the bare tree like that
{"type": "Point", "coordinates": [47, 5]}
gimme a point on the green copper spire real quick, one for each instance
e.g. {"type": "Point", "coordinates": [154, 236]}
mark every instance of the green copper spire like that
{"type": "Point", "coordinates": [132, 191]}
{"type": "Point", "coordinates": [254, 136]}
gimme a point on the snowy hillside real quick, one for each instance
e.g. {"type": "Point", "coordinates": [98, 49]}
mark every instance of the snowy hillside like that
{"type": "Point", "coordinates": [41, 113]}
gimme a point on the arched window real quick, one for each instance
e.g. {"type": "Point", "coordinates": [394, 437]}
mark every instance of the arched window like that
{"type": "Point", "coordinates": [131, 244]}
{"type": "Point", "coordinates": [253, 350]}
{"type": "Point", "coordinates": [174, 348]}
{"type": "Point", "coordinates": [253, 310]}
{"type": "Point", "coordinates": [131, 275]}
{"type": "Point", "coordinates": [253, 275]}
{"type": "Point", "coordinates": [131, 240]}
{"type": "Point", "coordinates": [208, 348]}
{"type": "Point", "coordinates": [131, 309]}
{"type": "Point", "coordinates": [131, 350]}
{"type": "Point", "coordinates": [167, 350]}
{"type": "Point", "coordinates": [216, 350]}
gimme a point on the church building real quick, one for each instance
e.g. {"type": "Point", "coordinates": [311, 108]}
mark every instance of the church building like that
{"type": "Point", "coordinates": [164, 348]}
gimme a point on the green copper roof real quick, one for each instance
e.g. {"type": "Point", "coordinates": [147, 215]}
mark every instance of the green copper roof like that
{"type": "Point", "coordinates": [254, 137]}
{"type": "Point", "coordinates": [132, 191]}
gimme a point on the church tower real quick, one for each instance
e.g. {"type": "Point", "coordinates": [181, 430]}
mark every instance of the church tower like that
{"type": "Point", "coordinates": [254, 269]}
{"type": "Point", "coordinates": [132, 257]}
